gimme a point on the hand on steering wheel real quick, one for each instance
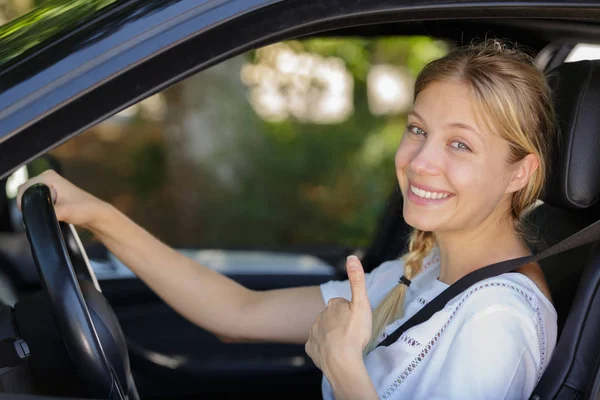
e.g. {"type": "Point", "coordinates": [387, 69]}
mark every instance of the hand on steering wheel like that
{"type": "Point", "coordinates": [85, 319]}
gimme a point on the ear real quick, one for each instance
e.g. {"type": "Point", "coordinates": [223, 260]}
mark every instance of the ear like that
{"type": "Point", "coordinates": [522, 173]}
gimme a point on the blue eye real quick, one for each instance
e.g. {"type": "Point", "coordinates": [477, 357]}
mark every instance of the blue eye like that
{"type": "Point", "coordinates": [415, 130]}
{"type": "Point", "coordinates": [460, 146]}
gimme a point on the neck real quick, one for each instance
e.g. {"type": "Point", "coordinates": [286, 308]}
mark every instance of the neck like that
{"type": "Point", "coordinates": [462, 252]}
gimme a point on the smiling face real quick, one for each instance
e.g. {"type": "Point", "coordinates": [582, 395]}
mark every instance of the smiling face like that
{"type": "Point", "coordinates": [453, 171]}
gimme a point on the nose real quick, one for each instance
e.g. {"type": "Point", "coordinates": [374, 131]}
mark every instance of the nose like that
{"type": "Point", "coordinates": [427, 160]}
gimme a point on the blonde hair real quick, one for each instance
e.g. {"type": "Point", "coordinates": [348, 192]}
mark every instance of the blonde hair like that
{"type": "Point", "coordinates": [514, 99]}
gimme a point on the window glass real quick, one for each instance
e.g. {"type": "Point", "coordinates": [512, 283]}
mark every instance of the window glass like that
{"type": "Point", "coordinates": [584, 51]}
{"type": "Point", "coordinates": [288, 146]}
{"type": "Point", "coordinates": [27, 23]}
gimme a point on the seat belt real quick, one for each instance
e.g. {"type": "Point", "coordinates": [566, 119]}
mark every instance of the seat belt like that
{"type": "Point", "coordinates": [587, 235]}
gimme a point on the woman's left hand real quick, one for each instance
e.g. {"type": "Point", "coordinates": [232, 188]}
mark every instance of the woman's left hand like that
{"type": "Point", "coordinates": [342, 331]}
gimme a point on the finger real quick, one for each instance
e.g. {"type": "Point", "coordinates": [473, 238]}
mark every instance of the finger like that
{"type": "Point", "coordinates": [19, 194]}
{"type": "Point", "coordinates": [53, 193]}
{"type": "Point", "coordinates": [356, 276]}
{"type": "Point", "coordinates": [308, 344]}
{"type": "Point", "coordinates": [23, 187]}
{"type": "Point", "coordinates": [312, 352]}
{"type": "Point", "coordinates": [62, 211]}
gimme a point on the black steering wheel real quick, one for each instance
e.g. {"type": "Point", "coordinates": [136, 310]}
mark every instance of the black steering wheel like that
{"type": "Point", "coordinates": [86, 321]}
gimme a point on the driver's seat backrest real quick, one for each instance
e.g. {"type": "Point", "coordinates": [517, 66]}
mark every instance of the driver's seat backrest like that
{"type": "Point", "coordinates": [570, 203]}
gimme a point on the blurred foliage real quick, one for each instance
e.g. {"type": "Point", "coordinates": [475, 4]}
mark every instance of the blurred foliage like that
{"type": "Point", "coordinates": [149, 167]}
{"type": "Point", "coordinates": [39, 165]}
{"type": "Point", "coordinates": [310, 184]}
{"type": "Point", "coordinates": [355, 52]}
{"type": "Point", "coordinates": [45, 20]}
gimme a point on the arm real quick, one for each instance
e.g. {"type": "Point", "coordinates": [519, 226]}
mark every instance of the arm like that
{"type": "Point", "coordinates": [203, 296]}
{"type": "Point", "coordinates": [350, 380]}
{"type": "Point", "coordinates": [206, 297]}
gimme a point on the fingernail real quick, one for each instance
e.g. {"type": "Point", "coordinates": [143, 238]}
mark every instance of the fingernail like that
{"type": "Point", "coordinates": [352, 261]}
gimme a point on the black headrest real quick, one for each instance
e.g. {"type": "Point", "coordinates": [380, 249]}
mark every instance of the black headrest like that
{"type": "Point", "coordinates": [574, 180]}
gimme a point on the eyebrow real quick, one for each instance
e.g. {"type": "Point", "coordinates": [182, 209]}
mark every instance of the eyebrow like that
{"type": "Point", "coordinates": [459, 125]}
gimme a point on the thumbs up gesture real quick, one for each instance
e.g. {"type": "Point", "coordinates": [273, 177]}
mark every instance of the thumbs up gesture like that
{"type": "Point", "coordinates": [342, 331]}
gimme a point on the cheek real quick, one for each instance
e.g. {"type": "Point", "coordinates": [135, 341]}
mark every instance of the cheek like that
{"type": "Point", "coordinates": [405, 153]}
{"type": "Point", "coordinates": [478, 183]}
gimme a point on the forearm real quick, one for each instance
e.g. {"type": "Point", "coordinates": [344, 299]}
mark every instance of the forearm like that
{"type": "Point", "coordinates": [203, 296]}
{"type": "Point", "coordinates": [350, 379]}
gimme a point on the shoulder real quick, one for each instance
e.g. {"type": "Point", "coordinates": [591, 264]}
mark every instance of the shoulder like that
{"type": "Point", "coordinates": [497, 339]}
{"type": "Point", "coordinates": [495, 302]}
{"type": "Point", "coordinates": [512, 290]}
{"type": "Point", "coordinates": [509, 305]}
{"type": "Point", "coordinates": [504, 320]}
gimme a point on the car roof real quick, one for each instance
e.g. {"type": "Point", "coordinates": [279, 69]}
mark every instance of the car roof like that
{"type": "Point", "coordinates": [88, 63]}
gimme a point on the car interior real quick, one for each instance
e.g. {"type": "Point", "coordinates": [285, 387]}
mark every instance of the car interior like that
{"type": "Point", "coordinates": [171, 358]}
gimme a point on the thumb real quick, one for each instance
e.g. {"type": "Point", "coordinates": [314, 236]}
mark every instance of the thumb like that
{"type": "Point", "coordinates": [356, 276]}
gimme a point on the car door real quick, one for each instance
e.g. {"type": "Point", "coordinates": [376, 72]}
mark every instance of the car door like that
{"type": "Point", "coordinates": [136, 50]}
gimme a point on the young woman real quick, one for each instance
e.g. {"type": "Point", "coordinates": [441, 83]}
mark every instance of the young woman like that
{"type": "Point", "coordinates": [472, 160]}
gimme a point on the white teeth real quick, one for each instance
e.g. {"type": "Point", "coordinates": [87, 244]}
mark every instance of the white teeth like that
{"type": "Point", "coordinates": [428, 195]}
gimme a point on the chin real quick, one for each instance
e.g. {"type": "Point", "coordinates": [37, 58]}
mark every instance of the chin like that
{"type": "Point", "coordinates": [427, 223]}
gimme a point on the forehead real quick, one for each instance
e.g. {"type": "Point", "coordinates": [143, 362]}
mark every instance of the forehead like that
{"type": "Point", "coordinates": [445, 99]}
{"type": "Point", "coordinates": [452, 102]}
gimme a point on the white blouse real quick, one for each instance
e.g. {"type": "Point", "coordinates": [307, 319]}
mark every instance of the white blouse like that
{"type": "Point", "coordinates": [493, 341]}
